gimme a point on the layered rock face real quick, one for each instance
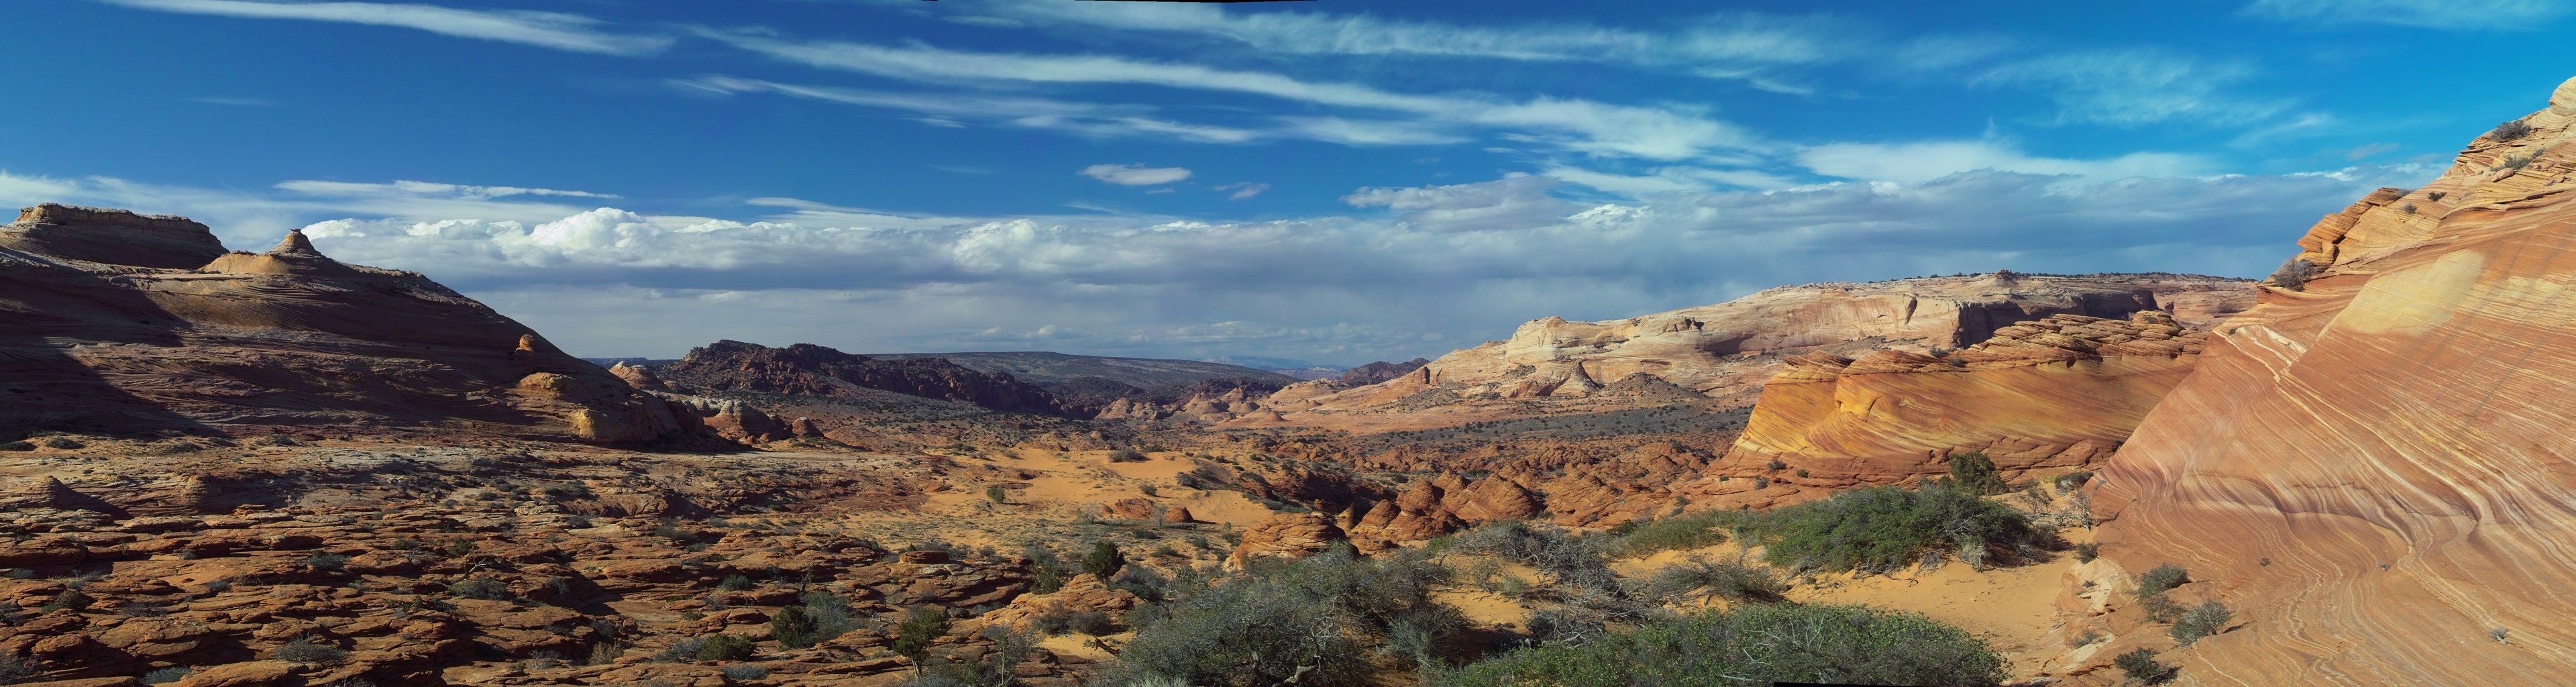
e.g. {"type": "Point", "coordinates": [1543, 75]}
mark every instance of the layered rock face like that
{"type": "Point", "coordinates": [2375, 468]}
{"type": "Point", "coordinates": [1728, 350]}
{"type": "Point", "coordinates": [810, 370]}
{"type": "Point", "coordinates": [2060, 391]}
{"type": "Point", "coordinates": [122, 322]}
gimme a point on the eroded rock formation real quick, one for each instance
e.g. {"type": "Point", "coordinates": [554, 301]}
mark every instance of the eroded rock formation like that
{"type": "Point", "coordinates": [2373, 467]}
{"type": "Point", "coordinates": [115, 321]}
{"type": "Point", "coordinates": [2060, 391]}
{"type": "Point", "coordinates": [810, 370]}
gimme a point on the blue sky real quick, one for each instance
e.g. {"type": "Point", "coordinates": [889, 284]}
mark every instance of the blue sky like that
{"type": "Point", "coordinates": [1331, 181]}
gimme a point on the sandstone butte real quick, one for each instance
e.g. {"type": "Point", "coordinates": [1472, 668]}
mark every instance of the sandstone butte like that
{"type": "Point", "coordinates": [2373, 469]}
{"type": "Point", "coordinates": [2061, 391]}
{"type": "Point", "coordinates": [1728, 350]}
{"type": "Point", "coordinates": [124, 322]}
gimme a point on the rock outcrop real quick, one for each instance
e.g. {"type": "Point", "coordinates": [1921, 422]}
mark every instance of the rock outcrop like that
{"type": "Point", "coordinates": [1728, 350]}
{"type": "Point", "coordinates": [1380, 371]}
{"type": "Point", "coordinates": [2060, 391]}
{"type": "Point", "coordinates": [121, 322]}
{"type": "Point", "coordinates": [1287, 535]}
{"type": "Point", "coordinates": [2373, 466]}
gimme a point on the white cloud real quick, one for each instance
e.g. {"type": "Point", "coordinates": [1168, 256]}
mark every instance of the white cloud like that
{"type": "Point", "coordinates": [2502, 15]}
{"type": "Point", "coordinates": [555, 30]}
{"type": "Point", "coordinates": [1135, 175]}
{"type": "Point", "coordinates": [1461, 262]}
{"type": "Point", "coordinates": [1928, 160]}
{"type": "Point", "coordinates": [1667, 133]}
{"type": "Point", "coordinates": [1734, 45]}
{"type": "Point", "coordinates": [1242, 190]}
{"type": "Point", "coordinates": [2139, 86]}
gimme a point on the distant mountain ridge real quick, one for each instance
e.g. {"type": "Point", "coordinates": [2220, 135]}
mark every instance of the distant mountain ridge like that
{"type": "Point", "coordinates": [1047, 368]}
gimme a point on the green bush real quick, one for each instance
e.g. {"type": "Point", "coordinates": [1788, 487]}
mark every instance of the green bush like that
{"type": "Point", "coordinates": [1974, 472]}
{"type": "Point", "coordinates": [2294, 275]}
{"type": "Point", "coordinates": [1753, 645]}
{"type": "Point", "coordinates": [1104, 560]}
{"type": "Point", "coordinates": [2087, 551]}
{"type": "Point", "coordinates": [1690, 531]}
{"type": "Point", "coordinates": [62, 443]}
{"type": "Point", "coordinates": [484, 588]}
{"type": "Point", "coordinates": [14, 671]}
{"type": "Point", "coordinates": [734, 583]}
{"type": "Point", "coordinates": [2142, 667]}
{"type": "Point", "coordinates": [165, 676]}
{"type": "Point", "coordinates": [2510, 131]}
{"type": "Point", "coordinates": [2201, 621]}
{"type": "Point", "coordinates": [326, 561]}
{"type": "Point", "coordinates": [1703, 578]}
{"type": "Point", "coordinates": [2163, 577]}
{"type": "Point", "coordinates": [303, 650]}
{"type": "Point", "coordinates": [1878, 529]}
{"type": "Point", "coordinates": [793, 627]}
{"type": "Point", "coordinates": [1313, 621]}
{"type": "Point", "coordinates": [69, 599]}
{"type": "Point", "coordinates": [997, 494]}
{"type": "Point", "coordinates": [723, 648]}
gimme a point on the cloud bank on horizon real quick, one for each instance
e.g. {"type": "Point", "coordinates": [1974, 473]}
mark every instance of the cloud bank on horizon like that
{"type": "Point", "coordinates": [1183, 180]}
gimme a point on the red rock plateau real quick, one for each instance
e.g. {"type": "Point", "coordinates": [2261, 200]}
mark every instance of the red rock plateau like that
{"type": "Point", "coordinates": [113, 320]}
{"type": "Point", "coordinates": [2058, 392]}
{"type": "Point", "coordinates": [2373, 464]}
{"type": "Point", "coordinates": [1727, 351]}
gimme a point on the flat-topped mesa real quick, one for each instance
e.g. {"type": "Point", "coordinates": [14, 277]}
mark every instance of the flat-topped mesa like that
{"type": "Point", "coordinates": [109, 236]}
{"type": "Point", "coordinates": [2057, 392]}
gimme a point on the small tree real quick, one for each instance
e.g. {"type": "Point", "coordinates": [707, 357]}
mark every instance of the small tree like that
{"type": "Point", "coordinates": [1104, 561]}
{"type": "Point", "coordinates": [793, 627]}
{"type": "Point", "coordinates": [997, 494]}
{"type": "Point", "coordinates": [921, 627]}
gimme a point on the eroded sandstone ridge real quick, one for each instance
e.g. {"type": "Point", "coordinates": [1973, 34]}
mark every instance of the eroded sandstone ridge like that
{"type": "Point", "coordinates": [2373, 464]}
{"type": "Point", "coordinates": [1728, 350]}
{"type": "Point", "coordinates": [2060, 391]}
{"type": "Point", "coordinates": [123, 322]}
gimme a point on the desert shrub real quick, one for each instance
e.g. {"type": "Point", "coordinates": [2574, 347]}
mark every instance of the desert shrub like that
{"type": "Point", "coordinates": [62, 443]}
{"type": "Point", "coordinates": [2516, 161]}
{"type": "Point", "coordinates": [1690, 531]}
{"type": "Point", "coordinates": [719, 647]}
{"type": "Point", "coordinates": [303, 650]}
{"type": "Point", "coordinates": [1837, 644]}
{"type": "Point", "coordinates": [460, 548]}
{"type": "Point", "coordinates": [479, 587]}
{"type": "Point", "coordinates": [2087, 551]}
{"type": "Point", "coordinates": [2201, 621]}
{"type": "Point", "coordinates": [1703, 578]}
{"type": "Point", "coordinates": [2436, 195]}
{"type": "Point", "coordinates": [997, 494]}
{"type": "Point", "coordinates": [165, 675]}
{"type": "Point", "coordinates": [69, 599]}
{"type": "Point", "coordinates": [2160, 608]}
{"type": "Point", "coordinates": [1148, 489]}
{"type": "Point", "coordinates": [1976, 473]}
{"type": "Point", "coordinates": [745, 673]}
{"type": "Point", "coordinates": [793, 627]}
{"type": "Point", "coordinates": [1878, 529]}
{"type": "Point", "coordinates": [1313, 621]}
{"type": "Point", "coordinates": [1126, 455]}
{"type": "Point", "coordinates": [17, 446]}
{"type": "Point", "coordinates": [1104, 560]}
{"type": "Point", "coordinates": [2072, 481]}
{"type": "Point", "coordinates": [326, 561]}
{"type": "Point", "coordinates": [734, 583]}
{"type": "Point", "coordinates": [1775, 464]}
{"type": "Point", "coordinates": [1092, 623]}
{"type": "Point", "coordinates": [2142, 667]}
{"type": "Point", "coordinates": [14, 670]}
{"type": "Point", "coordinates": [2510, 131]}
{"type": "Point", "coordinates": [2294, 275]}
{"type": "Point", "coordinates": [922, 626]}
{"type": "Point", "coordinates": [2498, 634]}
{"type": "Point", "coordinates": [2163, 577]}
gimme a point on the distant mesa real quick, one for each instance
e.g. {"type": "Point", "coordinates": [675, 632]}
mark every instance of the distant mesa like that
{"type": "Point", "coordinates": [111, 237]}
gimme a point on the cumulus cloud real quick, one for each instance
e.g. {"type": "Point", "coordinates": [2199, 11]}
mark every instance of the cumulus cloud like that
{"type": "Point", "coordinates": [1135, 175]}
{"type": "Point", "coordinates": [555, 30]}
{"type": "Point", "coordinates": [1410, 271]}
